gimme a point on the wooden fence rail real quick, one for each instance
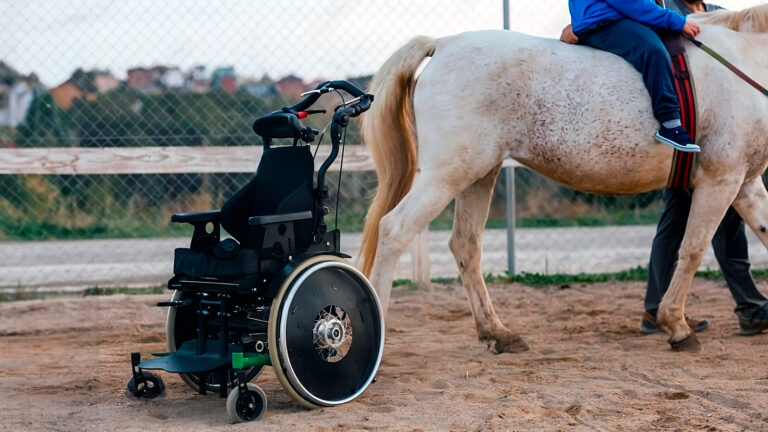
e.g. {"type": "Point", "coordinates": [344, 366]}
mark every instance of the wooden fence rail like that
{"type": "Point", "coordinates": [178, 160]}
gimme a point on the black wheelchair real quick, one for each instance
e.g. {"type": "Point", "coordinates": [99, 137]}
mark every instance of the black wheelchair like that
{"type": "Point", "coordinates": [279, 292]}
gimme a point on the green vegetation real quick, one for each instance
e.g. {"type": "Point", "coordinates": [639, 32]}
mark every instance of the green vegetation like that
{"type": "Point", "coordinates": [537, 280]}
{"type": "Point", "coordinates": [101, 291]}
{"type": "Point", "coordinates": [563, 280]}
{"type": "Point", "coordinates": [28, 294]}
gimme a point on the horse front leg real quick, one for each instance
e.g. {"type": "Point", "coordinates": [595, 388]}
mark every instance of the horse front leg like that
{"type": "Point", "coordinates": [708, 206]}
{"type": "Point", "coordinates": [466, 243]}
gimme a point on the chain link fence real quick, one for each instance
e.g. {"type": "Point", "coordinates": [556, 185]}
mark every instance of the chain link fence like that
{"type": "Point", "coordinates": [145, 74]}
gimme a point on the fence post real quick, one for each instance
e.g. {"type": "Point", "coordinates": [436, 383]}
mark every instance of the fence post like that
{"type": "Point", "coordinates": [420, 258]}
{"type": "Point", "coordinates": [509, 179]}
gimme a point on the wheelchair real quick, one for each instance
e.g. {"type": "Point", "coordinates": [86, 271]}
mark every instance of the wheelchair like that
{"type": "Point", "coordinates": [278, 292]}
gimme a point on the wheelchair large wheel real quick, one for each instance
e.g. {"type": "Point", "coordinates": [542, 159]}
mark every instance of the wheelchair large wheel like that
{"type": "Point", "coordinates": [181, 326]}
{"type": "Point", "coordinates": [326, 332]}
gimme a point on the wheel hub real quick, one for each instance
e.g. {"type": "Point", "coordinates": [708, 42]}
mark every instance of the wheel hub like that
{"type": "Point", "coordinates": [332, 333]}
{"type": "Point", "coordinates": [329, 333]}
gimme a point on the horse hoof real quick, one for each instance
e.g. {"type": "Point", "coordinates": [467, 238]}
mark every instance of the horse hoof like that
{"type": "Point", "coordinates": [689, 343]}
{"type": "Point", "coordinates": [510, 344]}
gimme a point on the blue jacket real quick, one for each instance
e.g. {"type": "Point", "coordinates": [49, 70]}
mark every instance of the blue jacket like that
{"type": "Point", "coordinates": [588, 13]}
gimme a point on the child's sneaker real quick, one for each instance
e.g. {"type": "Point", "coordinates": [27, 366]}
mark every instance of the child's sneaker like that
{"type": "Point", "coordinates": [678, 138]}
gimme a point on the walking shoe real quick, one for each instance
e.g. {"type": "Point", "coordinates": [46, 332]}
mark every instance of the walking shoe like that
{"type": "Point", "coordinates": [753, 322]}
{"type": "Point", "coordinates": [678, 138]}
{"type": "Point", "coordinates": [650, 325]}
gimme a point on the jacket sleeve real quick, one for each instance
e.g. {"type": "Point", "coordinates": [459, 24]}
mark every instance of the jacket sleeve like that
{"type": "Point", "coordinates": [649, 13]}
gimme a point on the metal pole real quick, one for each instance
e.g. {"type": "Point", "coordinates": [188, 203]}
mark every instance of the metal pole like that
{"type": "Point", "coordinates": [509, 177]}
{"type": "Point", "coordinates": [509, 182]}
{"type": "Point", "coordinates": [506, 14]}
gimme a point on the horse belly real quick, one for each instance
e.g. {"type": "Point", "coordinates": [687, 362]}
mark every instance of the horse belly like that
{"type": "Point", "coordinates": [576, 115]}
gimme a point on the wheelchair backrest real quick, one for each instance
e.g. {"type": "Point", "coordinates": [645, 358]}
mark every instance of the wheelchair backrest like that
{"type": "Point", "coordinates": [282, 184]}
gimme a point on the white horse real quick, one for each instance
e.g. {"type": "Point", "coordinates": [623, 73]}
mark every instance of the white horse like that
{"type": "Point", "coordinates": [574, 114]}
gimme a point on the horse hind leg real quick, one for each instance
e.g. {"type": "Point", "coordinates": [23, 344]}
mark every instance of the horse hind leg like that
{"type": "Point", "coordinates": [470, 215]}
{"type": "Point", "coordinates": [752, 204]}
{"type": "Point", "coordinates": [428, 196]}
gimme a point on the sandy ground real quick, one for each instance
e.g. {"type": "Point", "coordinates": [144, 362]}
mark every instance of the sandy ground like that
{"type": "Point", "coordinates": [64, 364]}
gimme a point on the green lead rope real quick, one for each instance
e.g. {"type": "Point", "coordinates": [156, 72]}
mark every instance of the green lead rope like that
{"type": "Point", "coordinates": [729, 65]}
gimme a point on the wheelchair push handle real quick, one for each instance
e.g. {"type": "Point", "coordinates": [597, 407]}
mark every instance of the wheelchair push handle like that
{"type": "Point", "coordinates": [285, 122]}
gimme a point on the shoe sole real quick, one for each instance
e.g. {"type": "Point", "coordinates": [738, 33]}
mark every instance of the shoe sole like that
{"type": "Point", "coordinates": [692, 148]}
{"type": "Point", "coordinates": [752, 332]}
{"type": "Point", "coordinates": [650, 331]}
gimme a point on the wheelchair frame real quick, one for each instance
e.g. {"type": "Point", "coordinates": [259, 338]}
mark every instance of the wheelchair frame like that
{"type": "Point", "coordinates": [221, 332]}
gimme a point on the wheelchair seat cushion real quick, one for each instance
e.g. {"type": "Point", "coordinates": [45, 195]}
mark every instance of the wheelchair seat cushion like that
{"type": "Point", "coordinates": [226, 249]}
{"type": "Point", "coordinates": [193, 264]}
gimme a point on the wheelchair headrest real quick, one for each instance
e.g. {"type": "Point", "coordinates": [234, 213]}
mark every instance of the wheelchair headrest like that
{"type": "Point", "coordinates": [279, 124]}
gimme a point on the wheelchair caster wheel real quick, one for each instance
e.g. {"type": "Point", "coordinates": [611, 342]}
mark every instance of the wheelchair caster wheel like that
{"type": "Point", "coordinates": [147, 386]}
{"type": "Point", "coordinates": [245, 406]}
{"type": "Point", "coordinates": [326, 332]}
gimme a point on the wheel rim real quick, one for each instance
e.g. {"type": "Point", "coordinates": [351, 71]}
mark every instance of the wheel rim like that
{"type": "Point", "coordinates": [248, 405]}
{"type": "Point", "coordinates": [331, 333]}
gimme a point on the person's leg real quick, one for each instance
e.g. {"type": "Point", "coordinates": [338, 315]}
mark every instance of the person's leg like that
{"type": "Point", "coordinates": [731, 251]}
{"type": "Point", "coordinates": [642, 47]}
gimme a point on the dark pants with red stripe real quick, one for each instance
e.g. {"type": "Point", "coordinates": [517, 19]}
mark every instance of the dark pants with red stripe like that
{"type": "Point", "coordinates": [729, 244]}
{"type": "Point", "coordinates": [642, 47]}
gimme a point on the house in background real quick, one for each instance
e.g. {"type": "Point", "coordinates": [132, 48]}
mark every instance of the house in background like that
{"type": "Point", "coordinates": [65, 94]}
{"type": "Point", "coordinates": [291, 86]}
{"type": "Point", "coordinates": [170, 78]}
{"type": "Point", "coordinates": [15, 100]}
{"type": "Point", "coordinates": [105, 81]}
{"type": "Point", "coordinates": [83, 85]}
{"type": "Point", "coordinates": [263, 88]}
{"type": "Point", "coordinates": [223, 78]}
{"type": "Point", "coordinates": [198, 80]}
{"type": "Point", "coordinates": [143, 80]}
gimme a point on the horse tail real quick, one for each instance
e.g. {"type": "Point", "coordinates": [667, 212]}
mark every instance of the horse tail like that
{"type": "Point", "coordinates": [389, 131]}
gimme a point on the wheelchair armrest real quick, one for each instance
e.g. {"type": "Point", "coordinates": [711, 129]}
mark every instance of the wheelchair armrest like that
{"type": "Point", "coordinates": [279, 218]}
{"type": "Point", "coordinates": [193, 217]}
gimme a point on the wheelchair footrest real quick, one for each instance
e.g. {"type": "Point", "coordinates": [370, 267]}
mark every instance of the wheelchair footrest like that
{"type": "Point", "coordinates": [186, 359]}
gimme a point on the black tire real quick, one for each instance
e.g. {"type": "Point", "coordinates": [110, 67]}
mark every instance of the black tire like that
{"type": "Point", "coordinates": [149, 386]}
{"type": "Point", "coordinates": [326, 332]}
{"type": "Point", "coordinates": [247, 406]}
{"type": "Point", "coordinates": [181, 326]}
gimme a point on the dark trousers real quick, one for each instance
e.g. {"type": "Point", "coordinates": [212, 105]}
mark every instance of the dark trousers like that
{"type": "Point", "coordinates": [729, 244]}
{"type": "Point", "coordinates": [641, 46]}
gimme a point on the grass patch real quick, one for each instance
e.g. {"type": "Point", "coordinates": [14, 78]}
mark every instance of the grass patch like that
{"type": "Point", "coordinates": [105, 291]}
{"type": "Point", "coordinates": [538, 279]}
{"type": "Point", "coordinates": [115, 227]}
{"type": "Point", "coordinates": [30, 294]}
{"type": "Point", "coordinates": [635, 274]}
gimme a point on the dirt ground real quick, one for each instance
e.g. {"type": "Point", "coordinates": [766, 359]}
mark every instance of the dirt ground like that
{"type": "Point", "coordinates": [64, 364]}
